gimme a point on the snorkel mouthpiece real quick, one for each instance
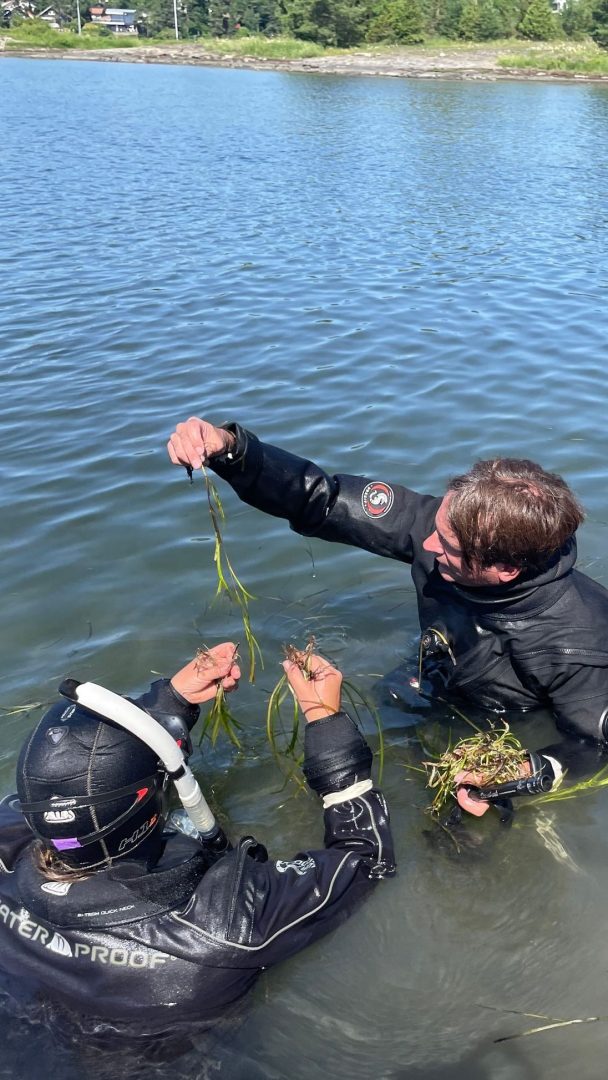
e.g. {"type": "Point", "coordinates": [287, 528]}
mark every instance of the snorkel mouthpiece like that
{"type": "Point", "coordinates": [110, 706]}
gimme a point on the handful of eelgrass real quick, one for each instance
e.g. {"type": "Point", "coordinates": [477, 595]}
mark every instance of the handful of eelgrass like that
{"type": "Point", "coordinates": [219, 718]}
{"type": "Point", "coordinates": [283, 731]}
{"type": "Point", "coordinates": [495, 756]}
{"type": "Point", "coordinates": [227, 580]}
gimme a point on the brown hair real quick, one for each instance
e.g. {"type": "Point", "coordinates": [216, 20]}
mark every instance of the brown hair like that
{"type": "Point", "coordinates": [48, 863]}
{"type": "Point", "coordinates": [509, 510]}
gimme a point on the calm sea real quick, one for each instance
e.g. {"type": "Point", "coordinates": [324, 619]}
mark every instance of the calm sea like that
{"type": "Point", "coordinates": [392, 277]}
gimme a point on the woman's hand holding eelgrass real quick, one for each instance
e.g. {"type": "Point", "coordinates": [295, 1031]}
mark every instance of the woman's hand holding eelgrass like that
{"type": "Point", "coordinates": [198, 681]}
{"type": "Point", "coordinates": [317, 686]}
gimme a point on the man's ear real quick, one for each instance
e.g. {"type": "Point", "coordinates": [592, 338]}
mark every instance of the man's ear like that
{"type": "Point", "coordinates": [507, 573]}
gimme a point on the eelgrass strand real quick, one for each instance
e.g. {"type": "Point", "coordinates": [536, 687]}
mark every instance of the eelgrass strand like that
{"type": "Point", "coordinates": [357, 698]}
{"type": "Point", "coordinates": [550, 1027]}
{"type": "Point", "coordinates": [283, 742]}
{"type": "Point", "coordinates": [14, 710]}
{"type": "Point", "coordinates": [584, 787]}
{"type": "Point", "coordinates": [219, 718]}
{"type": "Point", "coordinates": [284, 739]}
{"type": "Point", "coordinates": [227, 580]}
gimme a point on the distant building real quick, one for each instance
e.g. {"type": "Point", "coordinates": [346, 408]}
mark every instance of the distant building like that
{"type": "Point", "coordinates": [52, 17]}
{"type": "Point", "coordinates": [118, 20]}
{"type": "Point", "coordinates": [558, 6]}
{"type": "Point", "coordinates": [22, 8]}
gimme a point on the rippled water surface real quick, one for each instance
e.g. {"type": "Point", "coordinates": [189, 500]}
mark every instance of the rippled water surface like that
{"type": "Point", "coordinates": [393, 277]}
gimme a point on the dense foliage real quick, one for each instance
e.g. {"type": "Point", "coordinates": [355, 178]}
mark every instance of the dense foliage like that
{"type": "Point", "coordinates": [599, 24]}
{"type": "Point", "coordinates": [345, 23]}
{"type": "Point", "coordinates": [352, 22]}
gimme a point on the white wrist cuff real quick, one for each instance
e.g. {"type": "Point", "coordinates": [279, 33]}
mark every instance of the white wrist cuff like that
{"type": "Point", "coordinates": [558, 772]}
{"type": "Point", "coordinates": [335, 797]}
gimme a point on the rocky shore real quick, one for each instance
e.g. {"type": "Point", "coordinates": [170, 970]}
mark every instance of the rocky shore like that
{"type": "Point", "coordinates": [410, 63]}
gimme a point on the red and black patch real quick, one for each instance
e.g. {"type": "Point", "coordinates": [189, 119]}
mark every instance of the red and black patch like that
{"type": "Point", "coordinates": [377, 499]}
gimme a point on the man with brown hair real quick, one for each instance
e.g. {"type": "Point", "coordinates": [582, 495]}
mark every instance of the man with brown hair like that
{"type": "Point", "coordinates": [507, 622]}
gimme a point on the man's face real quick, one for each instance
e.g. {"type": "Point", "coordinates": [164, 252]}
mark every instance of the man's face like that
{"type": "Point", "coordinates": [443, 543]}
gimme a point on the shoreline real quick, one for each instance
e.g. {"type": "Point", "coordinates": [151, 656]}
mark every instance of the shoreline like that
{"type": "Point", "coordinates": [478, 64]}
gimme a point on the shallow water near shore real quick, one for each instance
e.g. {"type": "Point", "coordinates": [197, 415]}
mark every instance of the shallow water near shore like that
{"type": "Point", "coordinates": [393, 278]}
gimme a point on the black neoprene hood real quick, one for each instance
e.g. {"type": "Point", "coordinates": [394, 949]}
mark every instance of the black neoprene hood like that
{"type": "Point", "coordinates": [78, 776]}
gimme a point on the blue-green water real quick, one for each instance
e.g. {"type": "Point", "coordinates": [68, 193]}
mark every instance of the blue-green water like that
{"type": "Point", "coordinates": [394, 278]}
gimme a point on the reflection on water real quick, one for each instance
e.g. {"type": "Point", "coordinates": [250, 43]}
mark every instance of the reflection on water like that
{"type": "Point", "coordinates": [394, 278]}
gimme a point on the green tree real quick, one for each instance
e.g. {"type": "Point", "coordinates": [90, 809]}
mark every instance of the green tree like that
{"type": "Point", "coordinates": [328, 22]}
{"type": "Point", "coordinates": [538, 23]}
{"type": "Point", "coordinates": [599, 25]}
{"type": "Point", "coordinates": [158, 15]}
{"type": "Point", "coordinates": [512, 11]}
{"type": "Point", "coordinates": [577, 18]}
{"type": "Point", "coordinates": [269, 15]}
{"type": "Point", "coordinates": [491, 23]}
{"type": "Point", "coordinates": [398, 21]}
{"type": "Point", "coordinates": [196, 19]}
{"type": "Point", "coordinates": [468, 24]}
{"type": "Point", "coordinates": [66, 12]}
{"type": "Point", "coordinates": [448, 18]}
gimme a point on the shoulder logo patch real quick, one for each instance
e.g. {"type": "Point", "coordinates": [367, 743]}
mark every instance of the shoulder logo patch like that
{"type": "Point", "coordinates": [377, 499]}
{"type": "Point", "coordinates": [57, 888]}
{"type": "Point", "coordinates": [301, 866]}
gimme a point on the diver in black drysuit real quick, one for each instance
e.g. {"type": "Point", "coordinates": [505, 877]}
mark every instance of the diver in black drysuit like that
{"type": "Point", "coordinates": [162, 929]}
{"type": "Point", "coordinates": [540, 641]}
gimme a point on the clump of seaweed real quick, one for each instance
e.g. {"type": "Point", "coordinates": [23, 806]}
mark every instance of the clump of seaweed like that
{"type": "Point", "coordinates": [219, 718]}
{"type": "Point", "coordinates": [227, 580]}
{"type": "Point", "coordinates": [283, 731]}
{"type": "Point", "coordinates": [496, 756]}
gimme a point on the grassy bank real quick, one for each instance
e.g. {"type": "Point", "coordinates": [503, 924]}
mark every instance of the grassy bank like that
{"type": "Point", "coordinates": [582, 58]}
{"type": "Point", "coordinates": [278, 48]}
{"type": "Point", "coordinates": [36, 35]}
{"type": "Point", "coordinates": [566, 57]}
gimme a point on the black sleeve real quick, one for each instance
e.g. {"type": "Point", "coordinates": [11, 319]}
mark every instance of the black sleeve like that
{"type": "Point", "coordinates": [580, 715]}
{"type": "Point", "coordinates": [279, 907]}
{"type": "Point", "coordinates": [172, 711]}
{"type": "Point", "coordinates": [336, 757]}
{"type": "Point", "coordinates": [370, 514]}
{"type": "Point", "coordinates": [577, 760]}
{"type": "Point", "coordinates": [301, 899]}
{"type": "Point", "coordinates": [574, 683]}
{"type": "Point", "coordinates": [580, 702]}
{"type": "Point", "coordinates": [335, 754]}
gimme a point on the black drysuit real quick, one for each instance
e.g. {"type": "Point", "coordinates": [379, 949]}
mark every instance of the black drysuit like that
{"type": "Point", "coordinates": [539, 641]}
{"type": "Point", "coordinates": [189, 937]}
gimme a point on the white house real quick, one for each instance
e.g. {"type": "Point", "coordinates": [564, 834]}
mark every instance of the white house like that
{"type": "Point", "coordinates": [118, 20]}
{"type": "Point", "coordinates": [51, 17]}
{"type": "Point", "coordinates": [24, 8]}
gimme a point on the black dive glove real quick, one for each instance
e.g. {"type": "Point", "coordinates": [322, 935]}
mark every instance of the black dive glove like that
{"type": "Point", "coordinates": [335, 754]}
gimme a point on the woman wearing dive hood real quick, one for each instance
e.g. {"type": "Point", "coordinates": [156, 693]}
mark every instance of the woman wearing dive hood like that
{"type": "Point", "coordinates": [117, 912]}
